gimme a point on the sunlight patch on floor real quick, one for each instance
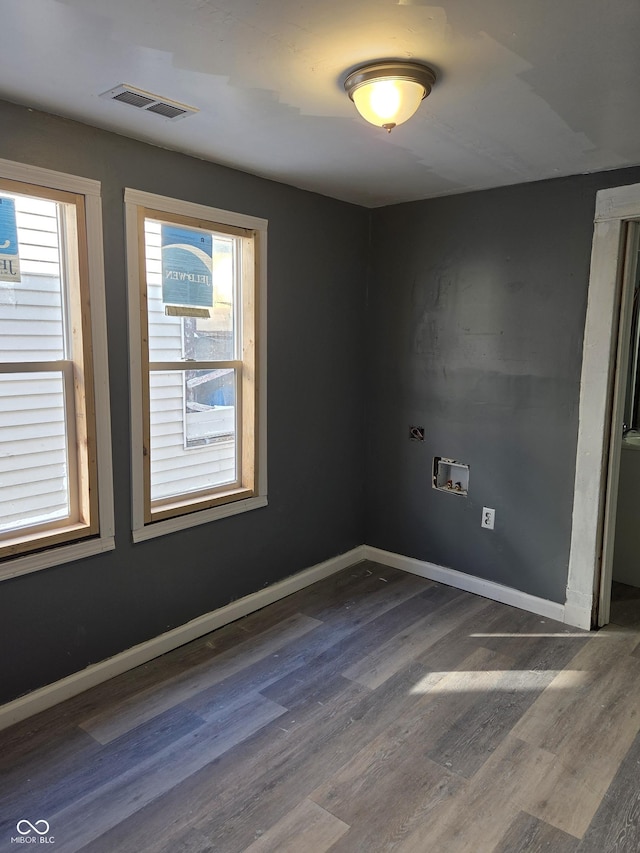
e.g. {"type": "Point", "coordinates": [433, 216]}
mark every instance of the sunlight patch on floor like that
{"type": "Point", "coordinates": [516, 635]}
{"type": "Point", "coordinates": [509, 680]}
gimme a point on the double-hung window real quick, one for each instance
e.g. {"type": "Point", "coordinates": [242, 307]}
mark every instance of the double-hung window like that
{"type": "Point", "coordinates": [50, 449]}
{"type": "Point", "coordinates": [196, 277]}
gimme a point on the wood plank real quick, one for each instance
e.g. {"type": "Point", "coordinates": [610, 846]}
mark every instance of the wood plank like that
{"type": "Point", "coordinates": [306, 827]}
{"type": "Point", "coordinates": [301, 668]}
{"type": "Point", "coordinates": [474, 735]}
{"type": "Point", "coordinates": [538, 649]}
{"type": "Point", "coordinates": [304, 757]}
{"type": "Point", "coordinates": [386, 587]}
{"type": "Point", "coordinates": [588, 718]}
{"type": "Point", "coordinates": [527, 834]}
{"type": "Point", "coordinates": [391, 787]}
{"type": "Point", "coordinates": [387, 790]}
{"type": "Point", "coordinates": [149, 779]}
{"type": "Point", "coordinates": [384, 661]}
{"type": "Point", "coordinates": [497, 737]}
{"type": "Point", "coordinates": [324, 599]}
{"type": "Point", "coordinates": [38, 731]}
{"type": "Point", "coordinates": [250, 788]}
{"type": "Point", "coordinates": [290, 765]}
{"type": "Point", "coordinates": [532, 641]}
{"type": "Point", "coordinates": [108, 725]}
{"type": "Point", "coordinates": [550, 723]}
{"type": "Point", "coordinates": [447, 652]}
{"type": "Point", "coordinates": [301, 685]}
{"type": "Point", "coordinates": [73, 769]}
{"type": "Point", "coordinates": [190, 841]}
{"type": "Point", "coordinates": [615, 827]}
{"type": "Point", "coordinates": [477, 819]}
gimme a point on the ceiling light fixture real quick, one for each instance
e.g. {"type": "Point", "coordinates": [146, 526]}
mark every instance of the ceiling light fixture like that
{"type": "Point", "coordinates": [388, 93]}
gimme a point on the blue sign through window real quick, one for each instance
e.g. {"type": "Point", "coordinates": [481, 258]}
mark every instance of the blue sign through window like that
{"type": "Point", "coordinates": [9, 257]}
{"type": "Point", "coordinates": [187, 262]}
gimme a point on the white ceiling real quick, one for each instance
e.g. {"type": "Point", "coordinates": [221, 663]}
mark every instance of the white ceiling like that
{"type": "Point", "coordinates": [527, 89]}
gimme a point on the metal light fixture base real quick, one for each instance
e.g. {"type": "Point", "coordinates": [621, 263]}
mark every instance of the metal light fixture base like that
{"type": "Point", "coordinates": [415, 72]}
{"type": "Point", "coordinates": [405, 77]}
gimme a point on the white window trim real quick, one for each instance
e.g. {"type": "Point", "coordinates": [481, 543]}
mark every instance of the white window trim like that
{"type": "Point", "coordinates": [104, 541]}
{"type": "Point", "coordinates": [134, 199]}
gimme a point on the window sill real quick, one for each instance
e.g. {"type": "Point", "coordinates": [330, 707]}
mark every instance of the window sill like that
{"type": "Point", "coordinates": [193, 519]}
{"type": "Point", "coordinates": [55, 556]}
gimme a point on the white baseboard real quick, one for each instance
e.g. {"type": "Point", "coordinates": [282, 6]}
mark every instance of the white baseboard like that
{"type": "Point", "coordinates": [78, 682]}
{"type": "Point", "coordinates": [577, 609]}
{"type": "Point", "coordinates": [470, 583]}
{"type": "Point", "coordinates": [574, 613]}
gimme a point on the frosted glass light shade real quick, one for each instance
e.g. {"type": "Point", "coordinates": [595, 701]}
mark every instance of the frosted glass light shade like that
{"type": "Point", "coordinates": [388, 93]}
{"type": "Point", "coordinates": [385, 102]}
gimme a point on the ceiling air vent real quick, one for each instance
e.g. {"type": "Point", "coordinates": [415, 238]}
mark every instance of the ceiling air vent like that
{"type": "Point", "coordinates": [147, 101]}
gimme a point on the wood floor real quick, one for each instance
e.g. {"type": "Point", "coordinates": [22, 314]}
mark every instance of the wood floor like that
{"type": "Point", "coordinates": [373, 711]}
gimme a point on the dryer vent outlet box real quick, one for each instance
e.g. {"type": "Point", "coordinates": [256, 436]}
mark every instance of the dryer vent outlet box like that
{"type": "Point", "coordinates": [450, 476]}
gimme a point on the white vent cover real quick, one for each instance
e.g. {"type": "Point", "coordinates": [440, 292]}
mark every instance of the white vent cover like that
{"type": "Point", "coordinates": [147, 101]}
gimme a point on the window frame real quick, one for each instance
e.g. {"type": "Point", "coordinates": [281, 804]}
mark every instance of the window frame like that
{"type": "Point", "coordinates": [187, 511]}
{"type": "Point", "coordinates": [54, 543]}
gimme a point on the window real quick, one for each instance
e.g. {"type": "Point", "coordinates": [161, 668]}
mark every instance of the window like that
{"type": "Point", "coordinates": [196, 278]}
{"type": "Point", "coordinates": [51, 303]}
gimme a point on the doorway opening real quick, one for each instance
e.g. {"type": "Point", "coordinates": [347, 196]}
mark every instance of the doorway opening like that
{"type": "Point", "coordinates": [624, 583]}
{"type": "Point", "coordinates": [609, 392]}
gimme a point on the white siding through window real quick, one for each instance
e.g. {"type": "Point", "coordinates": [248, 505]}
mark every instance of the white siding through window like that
{"type": "Point", "coordinates": [33, 456]}
{"type": "Point", "coordinates": [177, 469]}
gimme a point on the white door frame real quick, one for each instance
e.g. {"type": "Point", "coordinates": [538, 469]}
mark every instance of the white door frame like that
{"type": "Point", "coordinates": [599, 427]}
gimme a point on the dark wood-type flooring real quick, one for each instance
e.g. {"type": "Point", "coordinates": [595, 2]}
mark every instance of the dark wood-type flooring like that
{"type": "Point", "coordinates": [373, 711]}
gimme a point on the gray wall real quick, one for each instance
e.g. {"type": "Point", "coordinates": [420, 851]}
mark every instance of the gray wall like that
{"type": "Point", "coordinates": [475, 324]}
{"type": "Point", "coordinates": [472, 327]}
{"type": "Point", "coordinates": [60, 620]}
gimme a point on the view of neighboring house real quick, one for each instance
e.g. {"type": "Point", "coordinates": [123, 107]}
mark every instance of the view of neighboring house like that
{"type": "Point", "coordinates": [192, 412]}
{"type": "Point", "coordinates": [34, 467]}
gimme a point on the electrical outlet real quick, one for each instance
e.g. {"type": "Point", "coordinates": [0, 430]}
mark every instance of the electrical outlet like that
{"type": "Point", "coordinates": [488, 517]}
